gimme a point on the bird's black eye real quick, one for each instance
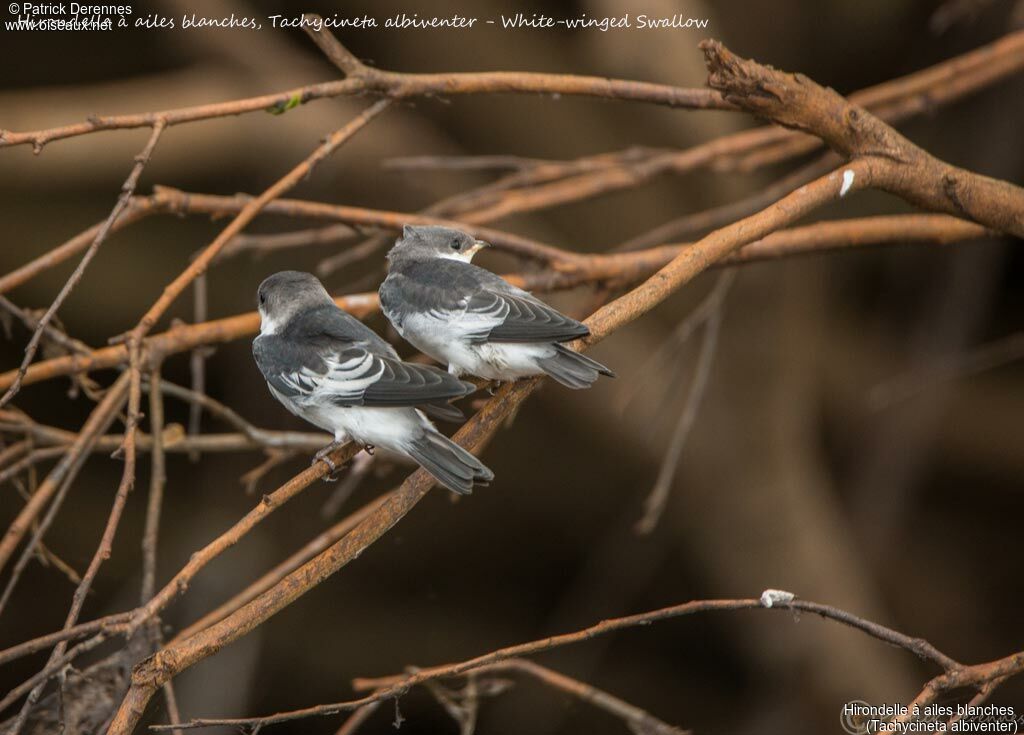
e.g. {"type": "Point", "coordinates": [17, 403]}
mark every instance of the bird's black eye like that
{"type": "Point", "coordinates": [456, 245]}
{"type": "Point", "coordinates": [263, 298]}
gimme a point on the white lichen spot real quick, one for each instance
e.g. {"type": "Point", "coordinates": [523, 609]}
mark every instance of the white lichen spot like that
{"type": "Point", "coordinates": [848, 175]}
{"type": "Point", "coordinates": [771, 598]}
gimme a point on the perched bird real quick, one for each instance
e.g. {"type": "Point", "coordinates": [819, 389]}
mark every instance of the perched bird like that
{"type": "Point", "coordinates": [331, 370]}
{"type": "Point", "coordinates": [473, 320]}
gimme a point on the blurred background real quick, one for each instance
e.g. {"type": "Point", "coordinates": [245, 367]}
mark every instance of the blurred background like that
{"type": "Point", "coordinates": [840, 451]}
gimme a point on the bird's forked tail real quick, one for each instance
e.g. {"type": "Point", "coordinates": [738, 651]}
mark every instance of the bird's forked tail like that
{"type": "Point", "coordinates": [450, 464]}
{"type": "Point", "coordinates": [572, 369]}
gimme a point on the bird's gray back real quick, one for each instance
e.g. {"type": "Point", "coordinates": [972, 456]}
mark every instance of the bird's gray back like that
{"type": "Point", "coordinates": [289, 360]}
{"type": "Point", "coordinates": [489, 307]}
{"type": "Point", "coordinates": [326, 356]}
{"type": "Point", "coordinates": [328, 324]}
{"type": "Point", "coordinates": [439, 284]}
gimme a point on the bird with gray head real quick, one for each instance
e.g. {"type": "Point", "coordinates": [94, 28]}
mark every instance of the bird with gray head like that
{"type": "Point", "coordinates": [330, 369]}
{"type": "Point", "coordinates": [473, 320]}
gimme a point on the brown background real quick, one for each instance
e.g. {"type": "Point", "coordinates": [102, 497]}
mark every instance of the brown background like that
{"type": "Point", "coordinates": [909, 514]}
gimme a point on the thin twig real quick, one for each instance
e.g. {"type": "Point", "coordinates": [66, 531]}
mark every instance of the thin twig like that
{"type": "Point", "coordinates": [461, 163]}
{"type": "Point", "coordinates": [197, 359]}
{"type": "Point", "coordinates": [316, 545]}
{"type": "Point", "coordinates": [176, 201]}
{"type": "Point", "coordinates": [942, 370]}
{"type": "Point", "coordinates": [622, 267]}
{"type": "Point", "coordinates": [68, 467]}
{"type": "Point", "coordinates": [103, 550]}
{"type": "Point", "coordinates": [49, 331]}
{"type": "Point", "coordinates": [263, 244]}
{"type": "Point", "coordinates": [127, 189]}
{"type": "Point", "coordinates": [11, 472]}
{"type": "Point", "coordinates": [229, 538]}
{"type": "Point", "coordinates": [174, 441]}
{"type": "Point", "coordinates": [150, 536]}
{"type": "Point", "coordinates": [699, 222]}
{"type": "Point", "coordinates": [34, 686]}
{"type": "Point", "coordinates": [394, 686]}
{"type": "Point", "coordinates": [137, 209]}
{"type": "Point", "coordinates": [264, 437]}
{"type": "Point", "coordinates": [340, 56]}
{"type": "Point", "coordinates": [109, 624]}
{"type": "Point", "coordinates": [654, 505]}
{"type": "Point", "coordinates": [394, 86]}
{"type": "Point", "coordinates": [357, 719]}
{"type": "Point", "coordinates": [173, 711]}
{"type": "Point", "coordinates": [157, 480]}
{"type": "Point", "coordinates": [249, 211]}
{"type": "Point", "coordinates": [36, 540]}
{"type": "Point", "coordinates": [636, 719]}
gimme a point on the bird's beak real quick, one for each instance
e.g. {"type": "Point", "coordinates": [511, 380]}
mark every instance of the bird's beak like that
{"type": "Point", "coordinates": [478, 245]}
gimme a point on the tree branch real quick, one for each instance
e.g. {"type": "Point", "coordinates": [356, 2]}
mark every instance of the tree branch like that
{"type": "Point", "coordinates": [249, 212]}
{"type": "Point", "coordinates": [625, 268]}
{"type": "Point", "coordinates": [899, 166]}
{"type": "Point", "coordinates": [127, 190]}
{"type": "Point", "coordinates": [394, 686]}
{"type": "Point", "coordinates": [395, 86]}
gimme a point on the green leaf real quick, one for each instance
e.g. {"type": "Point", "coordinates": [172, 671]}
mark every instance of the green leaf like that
{"type": "Point", "coordinates": [282, 107]}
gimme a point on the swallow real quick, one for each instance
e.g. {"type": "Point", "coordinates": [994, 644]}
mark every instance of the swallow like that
{"type": "Point", "coordinates": [330, 369]}
{"type": "Point", "coordinates": [473, 320]}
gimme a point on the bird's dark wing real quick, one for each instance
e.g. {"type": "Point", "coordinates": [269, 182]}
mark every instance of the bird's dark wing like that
{"type": "Point", "coordinates": [409, 384]}
{"type": "Point", "coordinates": [443, 411]}
{"type": "Point", "coordinates": [524, 318]}
{"type": "Point", "coordinates": [473, 303]}
{"type": "Point", "coordinates": [325, 357]}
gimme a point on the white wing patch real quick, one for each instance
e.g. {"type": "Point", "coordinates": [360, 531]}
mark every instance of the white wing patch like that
{"type": "Point", "coordinates": [346, 379]}
{"type": "Point", "coordinates": [440, 327]}
{"type": "Point", "coordinates": [475, 324]}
